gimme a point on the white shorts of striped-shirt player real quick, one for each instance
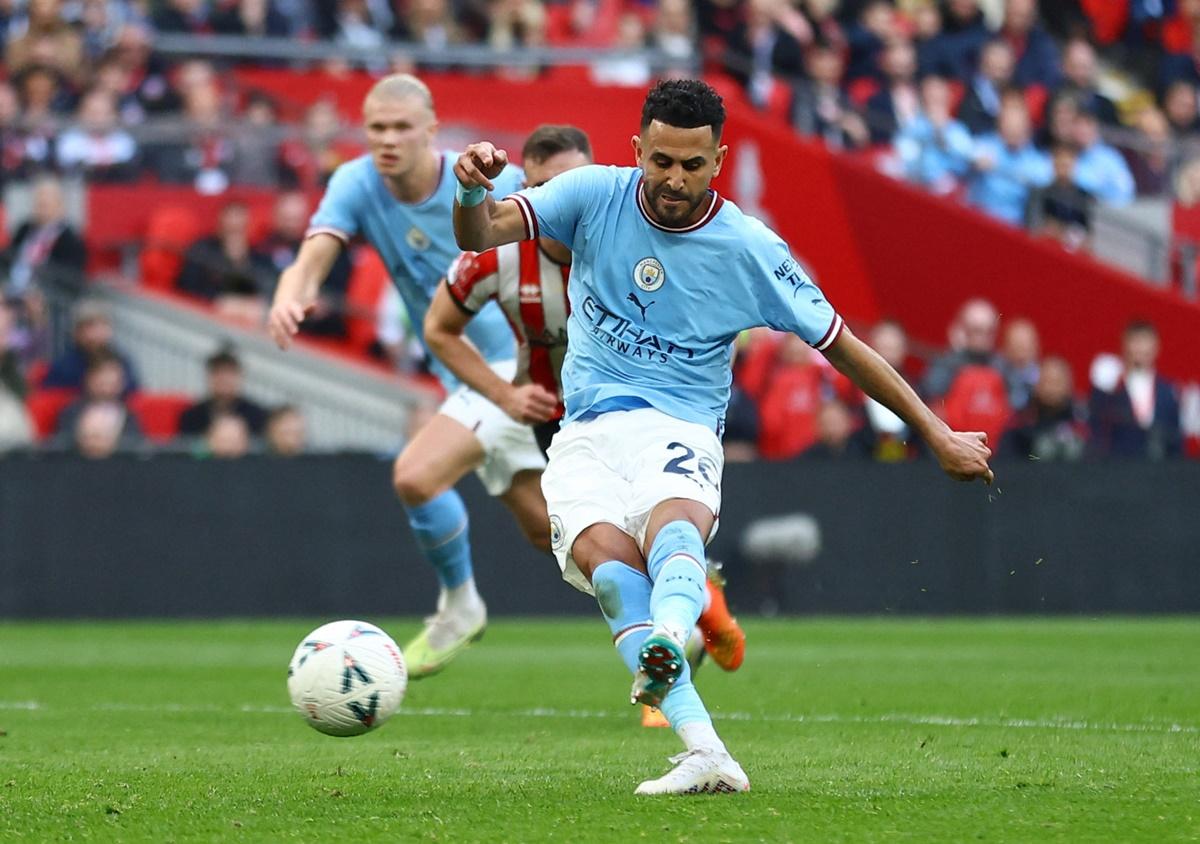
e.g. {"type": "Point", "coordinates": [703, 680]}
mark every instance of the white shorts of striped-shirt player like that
{"type": "Point", "coordinates": [509, 447]}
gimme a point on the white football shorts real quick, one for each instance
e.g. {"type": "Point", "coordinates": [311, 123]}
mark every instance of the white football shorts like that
{"type": "Point", "coordinates": [617, 467]}
{"type": "Point", "coordinates": [509, 447]}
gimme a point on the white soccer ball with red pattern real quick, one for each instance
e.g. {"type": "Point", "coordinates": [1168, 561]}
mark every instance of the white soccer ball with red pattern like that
{"type": "Point", "coordinates": [346, 678]}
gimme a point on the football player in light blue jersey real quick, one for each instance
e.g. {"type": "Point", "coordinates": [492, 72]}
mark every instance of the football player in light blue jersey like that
{"type": "Point", "coordinates": [398, 197]}
{"type": "Point", "coordinates": [665, 274]}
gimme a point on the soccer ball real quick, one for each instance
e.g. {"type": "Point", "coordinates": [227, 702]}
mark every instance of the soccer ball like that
{"type": "Point", "coordinates": [346, 678]}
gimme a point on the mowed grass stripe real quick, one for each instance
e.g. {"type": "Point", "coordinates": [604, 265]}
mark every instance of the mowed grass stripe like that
{"type": "Point", "coordinates": [854, 730]}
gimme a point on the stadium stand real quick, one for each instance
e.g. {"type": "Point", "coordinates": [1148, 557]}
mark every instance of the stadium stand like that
{"type": "Point", "coordinates": [165, 120]}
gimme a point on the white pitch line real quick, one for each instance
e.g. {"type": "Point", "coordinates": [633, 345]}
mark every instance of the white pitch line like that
{"type": "Point", "coordinates": [907, 719]}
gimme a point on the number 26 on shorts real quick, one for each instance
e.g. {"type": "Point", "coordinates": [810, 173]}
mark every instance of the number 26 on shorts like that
{"type": "Point", "coordinates": [702, 470]}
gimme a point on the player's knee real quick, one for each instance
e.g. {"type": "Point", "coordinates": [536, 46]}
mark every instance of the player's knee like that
{"type": "Point", "coordinates": [412, 486]}
{"type": "Point", "coordinates": [601, 543]}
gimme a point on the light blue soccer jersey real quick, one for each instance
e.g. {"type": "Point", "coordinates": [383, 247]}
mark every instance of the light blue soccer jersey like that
{"type": "Point", "coordinates": [416, 243]}
{"type": "Point", "coordinates": [654, 311]}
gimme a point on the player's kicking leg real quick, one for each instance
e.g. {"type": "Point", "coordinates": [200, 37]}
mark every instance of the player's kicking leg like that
{"type": "Point", "coordinates": [674, 550]}
{"type": "Point", "coordinates": [717, 633]}
{"type": "Point", "coordinates": [624, 594]}
{"type": "Point", "coordinates": [591, 504]}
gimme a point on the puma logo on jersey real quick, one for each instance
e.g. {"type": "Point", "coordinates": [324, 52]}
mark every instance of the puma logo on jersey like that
{"type": "Point", "coordinates": [632, 297]}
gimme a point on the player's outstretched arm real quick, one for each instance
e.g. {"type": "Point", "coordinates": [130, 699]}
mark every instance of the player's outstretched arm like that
{"type": "Point", "coordinates": [480, 222]}
{"type": "Point", "coordinates": [963, 455]}
{"type": "Point", "coordinates": [445, 323]}
{"type": "Point", "coordinates": [296, 293]}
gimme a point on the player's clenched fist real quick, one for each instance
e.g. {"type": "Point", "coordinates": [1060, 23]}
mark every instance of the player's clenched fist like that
{"type": "Point", "coordinates": [529, 404]}
{"type": "Point", "coordinates": [479, 164]}
{"type": "Point", "coordinates": [964, 456]}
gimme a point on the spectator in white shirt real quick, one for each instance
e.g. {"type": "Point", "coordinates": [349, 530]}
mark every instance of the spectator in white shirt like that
{"type": "Point", "coordinates": [96, 145]}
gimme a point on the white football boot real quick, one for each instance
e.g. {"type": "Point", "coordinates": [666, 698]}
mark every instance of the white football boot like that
{"type": "Point", "coordinates": [699, 771]}
{"type": "Point", "coordinates": [459, 621]}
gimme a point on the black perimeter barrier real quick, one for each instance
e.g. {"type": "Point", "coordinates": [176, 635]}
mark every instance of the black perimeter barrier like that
{"type": "Point", "coordinates": [173, 536]}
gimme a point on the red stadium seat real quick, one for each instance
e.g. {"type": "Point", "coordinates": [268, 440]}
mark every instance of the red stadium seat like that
{"type": "Point", "coordinates": [36, 373]}
{"type": "Point", "coordinates": [779, 103]}
{"type": "Point", "coordinates": [726, 86]}
{"type": "Point", "coordinates": [861, 90]}
{"type": "Point", "coordinates": [367, 283]}
{"type": "Point", "coordinates": [1035, 99]}
{"type": "Point", "coordinates": [571, 74]}
{"type": "Point", "coordinates": [44, 407]}
{"type": "Point", "coordinates": [158, 413]}
{"type": "Point", "coordinates": [957, 91]}
{"type": "Point", "coordinates": [1109, 19]}
{"type": "Point", "coordinates": [169, 232]}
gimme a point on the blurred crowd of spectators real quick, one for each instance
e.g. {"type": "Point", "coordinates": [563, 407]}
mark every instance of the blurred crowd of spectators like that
{"type": "Point", "coordinates": [1008, 103]}
{"type": "Point", "coordinates": [89, 401]}
{"type": "Point", "coordinates": [788, 402]}
{"type": "Point", "coordinates": [993, 377]}
{"type": "Point", "coordinates": [1033, 112]}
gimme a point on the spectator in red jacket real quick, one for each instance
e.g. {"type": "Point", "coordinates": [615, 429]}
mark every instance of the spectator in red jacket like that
{"type": "Point", "coordinates": [789, 381]}
{"type": "Point", "coordinates": [968, 384]}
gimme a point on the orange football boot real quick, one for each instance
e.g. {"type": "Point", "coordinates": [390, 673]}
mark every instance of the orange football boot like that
{"type": "Point", "coordinates": [652, 717]}
{"type": "Point", "coordinates": [723, 637]}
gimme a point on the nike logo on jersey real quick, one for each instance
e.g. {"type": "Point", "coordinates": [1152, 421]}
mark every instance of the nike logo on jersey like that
{"type": "Point", "coordinates": [632, 297]}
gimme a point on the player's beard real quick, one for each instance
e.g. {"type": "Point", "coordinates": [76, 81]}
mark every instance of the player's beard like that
{"type": "Point", "coordinates": [678, 214]}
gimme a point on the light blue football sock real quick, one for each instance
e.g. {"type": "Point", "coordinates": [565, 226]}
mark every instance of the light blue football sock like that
{"type": "Point", "coordinates": [682, 705]}
{"type": "Point", "coordinates": [624, 597]}
{"type": "Point", "coordinates": [676, 564]}
{"type": "Point", "coordinates": [440, 525]}
{"type": "Point", "coordinates": [623, 593]}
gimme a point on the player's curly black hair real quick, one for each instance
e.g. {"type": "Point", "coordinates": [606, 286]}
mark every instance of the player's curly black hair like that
{"type": "Point", "coordinates": [685, 104]}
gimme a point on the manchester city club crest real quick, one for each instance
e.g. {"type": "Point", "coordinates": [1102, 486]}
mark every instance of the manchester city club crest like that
{"type": "Point", "coordinates": [556, 532]}
{"type": "Point", "coordinates": [649, 274]}
{"type": "Point", "coordinates": [417, 239]}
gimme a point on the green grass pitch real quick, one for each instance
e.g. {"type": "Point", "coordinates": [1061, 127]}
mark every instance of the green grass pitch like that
{"type": "Point", "coordinates": [850, 730]}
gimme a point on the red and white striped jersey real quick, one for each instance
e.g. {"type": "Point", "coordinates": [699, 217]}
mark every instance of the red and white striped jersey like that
{"type": "Point", "coordinates": [531, 289]}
